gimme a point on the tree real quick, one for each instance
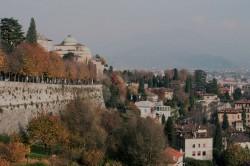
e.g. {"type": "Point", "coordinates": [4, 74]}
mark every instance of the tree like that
{"type": "Point", "coordinates": [170, 132]}
{"type": "Point", "coordinates": [11, 34]}
{"type": "Point", "coordinates": [188, 84]}
{"type": "Point", "coordinates": [225, 123]}
{"type": "Point", "coordinates": [31, 36]}
{"type": "Point", "coordinates": [212, 87]}
{"type": "Point", "coordinates": [141, 89]}
{"type": "Point", "coordinates": [217, 143]}
{"type": "Point", "coordinates": [176, 75]}
{"type": "Point", "coordinates": [3, 61]}
{"type": "Point", "coordinates": [237, 94]}
{"type": "Point", "coordinates": [236, 156]}
{"type": "Point", "coordinates": [244, 116]}
{"type": "Point", "coordinates": [138, 141]}
{"type": "Point", "coordinates": [200, 79]}
{"type": "Point", "coordinates": [47, 130]}
{"type": "Point", "coordinates": [163, 119]}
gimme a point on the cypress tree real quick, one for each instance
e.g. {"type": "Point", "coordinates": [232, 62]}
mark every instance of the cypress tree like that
{"type": "Point", "coordinates": [188, 84]}
{"type": "Point", "coordinates": [217, 143]}
{"type": "Point", "coordinates": [170, 132]}
{"type": "Point", "coordinates": [176, 76]}
{"type": "Point", "coordinates": [31, 36]}
{"type": "Point", "coordinates": [225, 123]}
{"type": "Point", "coordinates": [163, 119]}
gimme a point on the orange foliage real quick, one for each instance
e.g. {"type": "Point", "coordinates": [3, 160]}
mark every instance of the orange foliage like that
{"type": "Point", "coordinates": [92, 157]}
{"type": "Point", "coordinates": [118, 80]}
{"type": "Point", "coordinates": [16, 151]}
{"type": "Point", "coordinates": [56, 66]}
{"type": "Point", "coordinates": [3, 61]}
{"type": "Point", "coordinates": [4, 162]}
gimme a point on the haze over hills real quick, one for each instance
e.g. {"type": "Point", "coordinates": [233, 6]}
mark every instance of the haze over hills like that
{"type": "Point", "coordinates": [206, 62]}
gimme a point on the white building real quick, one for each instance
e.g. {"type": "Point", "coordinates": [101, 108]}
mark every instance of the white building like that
{"type": "Point", "coordinates": [71, 45]}
{"type": "Point", "coordinates": [153, 110]}
{"type": "Point", "coordinates": [44, 42]}
{"type": "Point", "coordinates": [241, 139]}
{"type": "Point", "coordinates": [196, 143]}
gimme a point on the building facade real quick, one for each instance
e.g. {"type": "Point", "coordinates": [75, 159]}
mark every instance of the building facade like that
{"type": "Point", "coordinates": [71, 45]}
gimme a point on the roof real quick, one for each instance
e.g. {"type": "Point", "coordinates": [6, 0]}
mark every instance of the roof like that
{"type": "Point", "coordinates": [42, 37]}
{"type": "Point", "coordinates": [230, 111]}
{"type": "Point", "coordinates": [144, 104]}
{"type": "Point", "coordinates": [243, 101]}
{"type": "Point", "coordinates": [172, 154]}
{"type": "Point", "coordinates": [239, 137]}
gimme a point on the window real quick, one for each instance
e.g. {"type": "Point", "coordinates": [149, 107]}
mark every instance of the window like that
{"type": "Point", "coordinates": [199, 145]}
{"type": "Point", "coordinates": [193, 153]}
{"type": "Point", "coordinates": [204, 145]}
{"type": "Point", "coordinates": [204, 153]}
{"type": "Point", "coordinates": [193, 145]}
{"type": "Point", "coordinates": [199, 153]}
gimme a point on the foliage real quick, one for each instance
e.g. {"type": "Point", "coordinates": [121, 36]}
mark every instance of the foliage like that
{"type": "Point", "coordinates": [212, 87]}
{"type": "Point", "coordinates": [236, 155]}
{"type": "Point", "coordinates": [31, 36]}
{"type": "Point", "coordinates": [193, 162]}
{"type": "Point", "coordinates": [225, 123]}
{"type": "Point", "coordinates": [217, 143]}
{"type": "Point", "coordinates": [137, 142]}
{"type": "Point", "coordinates": [4, 162]}
{"type": "Point", "coordinates": [170, 132]}
{"type": "Point", "coordinates": [11, 34]}
{"type": "Point", "coordinates": [47, 130]}
{"type": "Point", "coordinates": [237, 94]}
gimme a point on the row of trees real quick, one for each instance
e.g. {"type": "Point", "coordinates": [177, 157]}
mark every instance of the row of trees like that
{"type": "Point", "coordinates": [23, 56]}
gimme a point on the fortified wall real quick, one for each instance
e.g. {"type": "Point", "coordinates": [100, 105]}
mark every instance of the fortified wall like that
{"type": "Point", "coordinates": [20, 102]}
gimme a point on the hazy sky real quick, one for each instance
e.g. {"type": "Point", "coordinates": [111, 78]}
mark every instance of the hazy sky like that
{"type": "Point", "coordinates": [131, 32]}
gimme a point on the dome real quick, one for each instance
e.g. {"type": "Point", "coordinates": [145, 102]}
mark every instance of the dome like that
{"type": "Point", "coordinates": [69, 40]}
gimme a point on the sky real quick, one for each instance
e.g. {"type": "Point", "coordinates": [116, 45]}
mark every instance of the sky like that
{"type": "Point", "coordinates": [145, 33]}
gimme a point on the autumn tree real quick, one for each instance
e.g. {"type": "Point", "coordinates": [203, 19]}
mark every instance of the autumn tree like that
{"type": "Point", "coordinates": [56, 66]}
{"type": "Point", "coordinates": [47, 129]}
{"type": "Point", "coordinates": [31, 36]}
{"type": "Point", "coordinates": [11, 34]}
{"type": "Point", "coordinates": [137, 142]}
{"type": "Point", "coordinates": [3, 61]}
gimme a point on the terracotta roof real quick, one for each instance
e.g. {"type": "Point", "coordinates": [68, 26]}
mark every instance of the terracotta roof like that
{"type": "Point", "coordinates": [172, 154]}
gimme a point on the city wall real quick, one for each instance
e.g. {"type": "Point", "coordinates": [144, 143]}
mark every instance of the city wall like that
{"type": "Point", "coordinates": [20, 102]}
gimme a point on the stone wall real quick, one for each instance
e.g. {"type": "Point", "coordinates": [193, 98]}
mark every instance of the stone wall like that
{"type": "Point", "coordinates": [20, 102]}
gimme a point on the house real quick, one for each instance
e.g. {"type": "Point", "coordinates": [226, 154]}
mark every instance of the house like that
{"type": "Point", "coordinates": [97, 68]}
{"type": "Point", "coordinates": [153, 110]}
{"type": "Point", "coordinates": [173, 157]}
{"type": "Point", "coordinates": [233, 115]}
{"type": "Point", "coordinates": [208, 104]}
{"type": "Point", "coordinates": [195, 141]}
{"type": "Point", "coordinates": [146, 108]}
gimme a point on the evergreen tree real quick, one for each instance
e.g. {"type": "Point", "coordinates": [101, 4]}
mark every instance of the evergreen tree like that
{"type": "Point", "coordinates": [176, 75]}
{"type": "Point", "coordinates": [163, 119]}
{"type": "Point", "coordinates": [31, 36]}
{"type": "Point", "coordinates": [166, 81]}
{"type": "Point", "coordinates": [212, 87]}
{"type": "Point", "coordinates": [243, 114]}
{"type": "Point", "coordinates": [225, 123]}
{"type": "Point", "coordinates": [237, 94]}
{"type": "Point", "coordinates": [11, 34]}
{"type": "Point", "coordinates": [141, 88]}
{"type": "Point", "coordinates": [217, 144]}
{"type": "Point", "coordinates": [188, 84]}
{"type": "Point", "coordinates": [170, 132]}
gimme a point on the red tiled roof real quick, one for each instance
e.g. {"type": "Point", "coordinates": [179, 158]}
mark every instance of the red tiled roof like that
{"type": "Point", "coordinates": [172, 154]}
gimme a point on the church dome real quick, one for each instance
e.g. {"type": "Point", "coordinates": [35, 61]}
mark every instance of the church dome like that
{"type": "Point", "coordinates": [69, 40]}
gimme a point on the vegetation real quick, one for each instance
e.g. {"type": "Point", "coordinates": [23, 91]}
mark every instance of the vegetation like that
{"type": "Point", "coordinates": [31, 36]}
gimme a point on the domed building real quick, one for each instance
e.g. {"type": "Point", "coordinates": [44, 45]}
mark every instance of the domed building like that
{"type": "Point", "coordinates": [71, 45]}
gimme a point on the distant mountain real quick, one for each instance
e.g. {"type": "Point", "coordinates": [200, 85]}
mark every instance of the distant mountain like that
{"type": "Point", "coordinates": [206, 62]}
